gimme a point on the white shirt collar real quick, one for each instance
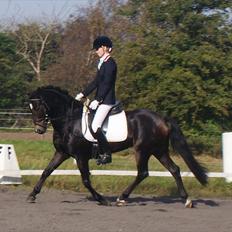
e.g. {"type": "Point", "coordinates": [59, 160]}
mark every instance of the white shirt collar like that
{"type": "Point", "coordinates": [102, 59]}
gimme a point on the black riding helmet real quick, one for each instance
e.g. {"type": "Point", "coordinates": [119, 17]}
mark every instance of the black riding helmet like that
{"type": "Point", "coordinates": [102, 41]}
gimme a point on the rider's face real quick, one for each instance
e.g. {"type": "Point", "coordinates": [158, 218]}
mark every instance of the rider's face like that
{"type": "Point", "coordinates": [101, 51]}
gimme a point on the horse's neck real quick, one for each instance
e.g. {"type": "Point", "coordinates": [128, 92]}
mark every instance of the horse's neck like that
{"type": "Point", "coordinates": [75, 110]}
{"type": "Point", "coordinates": [57, 110]}
{"type": "Point", "coordinates": [57, 104]}
{"type": "Point", "coordinates": [65, 113]}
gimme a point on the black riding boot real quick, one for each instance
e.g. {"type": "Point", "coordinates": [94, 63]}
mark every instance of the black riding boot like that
{"type": "Point", "coordinates": [105, 153]}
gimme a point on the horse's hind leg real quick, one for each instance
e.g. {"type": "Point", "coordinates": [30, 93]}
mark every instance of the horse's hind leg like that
{"type": "Point", "coordinates": [175, 171]}
{"type": "Point", "coordinates": [142, 168]}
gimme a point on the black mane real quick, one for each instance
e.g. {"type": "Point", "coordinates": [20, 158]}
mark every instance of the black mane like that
{"type": "Point", "coordinates": [55, 88]}
{"type": "Point", "coordinates": [70, 100]}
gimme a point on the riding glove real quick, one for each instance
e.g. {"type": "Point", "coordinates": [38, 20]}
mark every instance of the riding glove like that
{"type": "Point", "coordinates": [94, 104]}
{"type": "Point", "coordinates": [79, 96]}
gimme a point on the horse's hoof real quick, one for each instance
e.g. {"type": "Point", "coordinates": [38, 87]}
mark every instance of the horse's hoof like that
{"type": "Point", "coordinates": [188, 203]}
{"type": "Point", "coordinates": [31, 199]}
{"type": "Point", "coordinates": [120, 202]}
{"type": "Point", "coordinates": [104, 202]}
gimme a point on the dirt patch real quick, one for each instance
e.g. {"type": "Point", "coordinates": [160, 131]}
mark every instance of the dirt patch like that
{"type": "Point", "coordinates": [66, 211]}
{"type": "Point", "coordinates": [25, 136]}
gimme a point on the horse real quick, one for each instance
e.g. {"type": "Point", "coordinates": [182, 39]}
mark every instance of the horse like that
{"type": "Point", "coordinates": [149, 134]}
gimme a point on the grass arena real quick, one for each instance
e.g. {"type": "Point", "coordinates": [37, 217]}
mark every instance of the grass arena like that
{"type": "Point", "coordinates": [68, 207]}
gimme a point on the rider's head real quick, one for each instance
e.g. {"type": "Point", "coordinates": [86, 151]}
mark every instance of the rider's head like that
{"type": "Point", "coordinates": [102, 44]}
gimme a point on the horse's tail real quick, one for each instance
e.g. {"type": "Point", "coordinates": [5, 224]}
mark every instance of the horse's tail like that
{"type": "Point", "coordinates": [180, 145]}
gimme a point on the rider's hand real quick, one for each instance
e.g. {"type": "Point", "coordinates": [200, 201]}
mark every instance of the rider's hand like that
{"type": "Point", "coordinates": [94, 104]}
{"type": "Point", "coordinates": [79, 96]}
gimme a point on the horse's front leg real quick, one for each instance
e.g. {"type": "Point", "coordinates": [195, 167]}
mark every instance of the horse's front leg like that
{"type": "Point", "coordinates": [57, 159]}
{"type": "Point", "coordinates": [83, 166]}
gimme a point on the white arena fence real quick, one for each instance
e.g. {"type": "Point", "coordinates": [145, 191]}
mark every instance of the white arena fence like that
{"type": "Point", "coordinates": [12, 119]}
{"type": "Point", "coordinates": [120, 173]}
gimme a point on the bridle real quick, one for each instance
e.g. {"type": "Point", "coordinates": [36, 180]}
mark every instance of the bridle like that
{"type": "Point", "coordinates": [41, 121]}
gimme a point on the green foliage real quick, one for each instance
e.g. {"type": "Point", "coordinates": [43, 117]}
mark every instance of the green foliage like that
{"type": "Point", "coordinates": [13, 83]}
{"type": "Point", "coordinates": [179, 63]}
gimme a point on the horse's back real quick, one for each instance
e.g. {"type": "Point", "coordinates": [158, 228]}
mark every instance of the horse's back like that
{"type": "Point", "coordinates": [146, 114]}
{"type": "Point", "coordinates": [148, 124]}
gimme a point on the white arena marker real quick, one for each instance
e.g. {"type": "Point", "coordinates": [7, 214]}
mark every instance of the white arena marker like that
{"type": "Point", "coordinates": [9, 168]}
{"type": "Point", "coordinates": [227, 155]}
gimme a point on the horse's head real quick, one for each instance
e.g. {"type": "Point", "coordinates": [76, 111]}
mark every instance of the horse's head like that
{"type": "Point", "coordinates": [39, 110]}
{"type": "Point", "coordinates": [51, 104]}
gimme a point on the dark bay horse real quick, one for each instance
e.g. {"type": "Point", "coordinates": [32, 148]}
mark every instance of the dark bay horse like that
{"type": "Point", "coordinates": [148, 133]}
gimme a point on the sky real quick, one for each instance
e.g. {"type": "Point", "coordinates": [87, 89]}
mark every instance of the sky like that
{"type": "Point", "coordinates": [19, 10]}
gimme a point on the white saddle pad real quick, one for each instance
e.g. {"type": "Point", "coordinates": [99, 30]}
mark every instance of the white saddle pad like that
{"type": "Point", "coordinates": [115, 127]}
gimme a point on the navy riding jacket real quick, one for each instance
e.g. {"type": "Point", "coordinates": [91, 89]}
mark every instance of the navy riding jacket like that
{"type": "Point", "coordinates": [104, 83]}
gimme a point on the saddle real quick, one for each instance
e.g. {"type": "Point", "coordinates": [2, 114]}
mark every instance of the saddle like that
{"type": "Point", "coordinates": [114, 125]}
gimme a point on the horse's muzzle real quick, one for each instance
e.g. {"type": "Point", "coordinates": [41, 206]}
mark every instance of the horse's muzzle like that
{"type": "Point", "coordinates": [40, 129]}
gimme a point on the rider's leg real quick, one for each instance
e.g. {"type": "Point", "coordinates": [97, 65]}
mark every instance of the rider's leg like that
{"type": "Point", "coordinates": [104, 147]}
{"type": "Point", "coordinates": [100, 115]}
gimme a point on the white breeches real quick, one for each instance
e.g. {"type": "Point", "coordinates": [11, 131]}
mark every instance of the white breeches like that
{"type": "Point", "coordinates": [100, 116]}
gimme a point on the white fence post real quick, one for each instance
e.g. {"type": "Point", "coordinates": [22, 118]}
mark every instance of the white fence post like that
{"type": "Point", "coordinates": [227, 155]}
{"type": "Point", "coordinates": [9, 168]}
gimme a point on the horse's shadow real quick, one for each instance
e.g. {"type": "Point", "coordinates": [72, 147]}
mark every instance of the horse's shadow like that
{"type": "Point", "coordinates": [140, 201]}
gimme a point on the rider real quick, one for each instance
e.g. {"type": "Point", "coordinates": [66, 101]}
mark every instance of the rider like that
{"type": "Point", "coordinates": [104, 84]}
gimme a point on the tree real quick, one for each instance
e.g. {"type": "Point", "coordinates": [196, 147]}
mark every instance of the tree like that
{"type": "Point", "coordinates": [77, 63]}
{"type": "Point", "coordinates": [170, 37]}
{"type": "Point", "coordinates": [33, 41]}
{"type": "Point", "coordinates": [13, 85]}
{"type": "Point", "coordinates": [176, 60]}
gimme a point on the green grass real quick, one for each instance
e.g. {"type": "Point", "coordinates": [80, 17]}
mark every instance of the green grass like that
{"type": "Point", "coordinates": [37, 154]}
